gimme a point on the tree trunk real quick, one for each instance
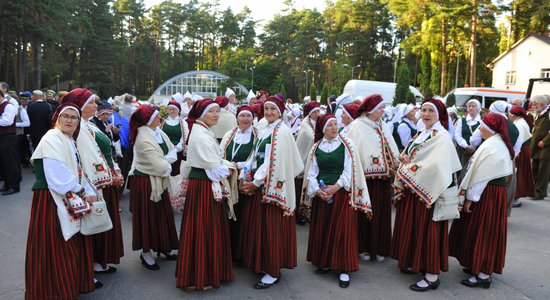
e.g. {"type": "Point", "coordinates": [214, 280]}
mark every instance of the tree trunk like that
{"type": "Point", "coordinates": [37, 64]}
{"type": "Point", "coordinates": [473, 45]}
{"type": "Point", "coordinates": [443, 86]}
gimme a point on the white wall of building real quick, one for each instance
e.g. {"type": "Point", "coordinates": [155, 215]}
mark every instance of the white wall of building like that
{"type": "Point", "coordinates": [527, 60]}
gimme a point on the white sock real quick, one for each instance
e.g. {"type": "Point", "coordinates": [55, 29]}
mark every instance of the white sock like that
{"type": "Point", "coordinates": [516, 201]}
{"type": "Point", "coordinates": [95, 280]}
{"type": "Point", "coordinates": [380, 258]}
{"type": "Point", "coordinates": [148, 257]}
{"type": "Point", "coordinates": [482, 275]}
{"type": "Point", "coordinates": [268, 279]}
{"type": "Point", "coordinates": [344, 276]}
{"type": "Point", "coordinates": [430, 277]}
{"type": "Point", "coordinates": [472, 279]}
{"type": "Point", "coordinates": [364, 256]}
{"type": "Point", "coordinates": [99, 267]}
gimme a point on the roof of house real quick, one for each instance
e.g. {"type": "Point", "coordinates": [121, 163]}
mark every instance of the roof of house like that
{"type": "Point", "coordinates": [543, 38]}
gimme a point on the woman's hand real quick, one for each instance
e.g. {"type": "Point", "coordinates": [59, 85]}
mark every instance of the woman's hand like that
{"type": "Point", "coordinates": [90, 199]}
{"type": "Point", "coordinates": [405, 158]}
{"type": "Point", "coordinates": [332, 189]}
{"type": "Point", "coordinates": [466, 207]}
{"type": "Point", "coordinates": [248, 188]}
{"type": "Point", "coordinates": [118, 179]}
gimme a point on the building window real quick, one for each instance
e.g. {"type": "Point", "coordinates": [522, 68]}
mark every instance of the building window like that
{"type": "Point", "coordinates": [511, 77]}
{"type": "Point", "coordinates": [545, 73]}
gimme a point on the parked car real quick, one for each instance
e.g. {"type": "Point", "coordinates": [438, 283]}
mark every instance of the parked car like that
{"type": "Point", "coordinates": [485, 95]}
{"type": "Point", "coordinates": [365, 88]}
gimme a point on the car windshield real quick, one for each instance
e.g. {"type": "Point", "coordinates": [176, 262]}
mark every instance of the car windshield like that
{"type": "Point", "coordinates": [460, 100]}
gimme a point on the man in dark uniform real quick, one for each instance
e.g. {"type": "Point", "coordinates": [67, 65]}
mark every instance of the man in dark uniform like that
{"type": "Point", "coordinates": [40, 113]}
{"type": "Point", "coordinates": [10, 168]}
{"type": "Point", "coordinates": [540, 146]}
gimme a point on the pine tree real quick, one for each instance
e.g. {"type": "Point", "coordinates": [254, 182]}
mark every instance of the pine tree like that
{"type": "Point", "coordinates": [324, 93]}
{"type": "Point", "coordinates": [313, 91]}
{"type": "Point", "coordinates": [403, 93]}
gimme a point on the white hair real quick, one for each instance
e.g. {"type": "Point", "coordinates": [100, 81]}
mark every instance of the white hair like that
{"type": "Point", "coordinates": [540, 99]}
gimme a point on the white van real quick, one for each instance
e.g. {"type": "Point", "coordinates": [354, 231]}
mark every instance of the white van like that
{"type": "Point", "coordinates": [365, 88]}
{"type": "Point", "coordinates": [485, 95]}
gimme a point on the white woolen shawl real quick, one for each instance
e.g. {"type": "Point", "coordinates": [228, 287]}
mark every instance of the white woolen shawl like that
{"type": "Point", "coordinates": [56, 145]}
{"type": "Point", "coordinates": [523, 128]}
{"type": "Point", "coordinates": [149, 159]}
{"type": "Point", "coordinates": [283, 166]}
{"type": "Point", "coordinates": [226, 122]}
{"type": "Point", "coordinates": [490, 161]}
{"type": "Point", "coordinates": [204, 152]}
{"type": "Point", "coordinates": [305, 138]}
{"type": "Point", "coordinates": [359, 193]}
{"type": "Point", "coordinates": [364, 135]}
{"type": "Point", "coordinates": [431, 168]}
{"type": "Point", "coordinates": [93, 163]}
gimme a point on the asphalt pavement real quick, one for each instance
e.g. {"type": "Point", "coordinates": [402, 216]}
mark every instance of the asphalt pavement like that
{"type": "Point", "coordinates": [526, 274]}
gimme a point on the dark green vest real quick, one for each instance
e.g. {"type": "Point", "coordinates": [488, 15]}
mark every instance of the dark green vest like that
{"type": "Point", "coordinates": [260, 154]}
{"type": "Point", "coordinates": [396, 136]}
{"type": "Point", "coordinates": [331, 165]}
{"type": "Point", "coordinates": [40, 182]}
{"type": "Point", "coordinates": [466, 133]}
{"type": "Point", "coordinates": [173, 132]}
{"type": "Point", "coordinates": [242, 153]}
{"type": "Point", "coordinates": [104, 144]}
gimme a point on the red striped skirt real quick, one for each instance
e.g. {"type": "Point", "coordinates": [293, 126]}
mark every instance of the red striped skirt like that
{"type": "Point", "coordinates": [108, 246]}
{"type": "Point", "coordinates": [525, 186]}
{"type": "Point", "coordinates": [249, 232]}
{"type": "Point", "coordinates": [333, 234]}
{"type": "Point", "coordinates": [176, 165]}
{"type": "Point", "coordinates": [478, 239]}
{"type": "Point", "coordinates": [153, 226]}
{"type": "Point", "coordinates": [418, 242]}
{"type": "Point", "coordinates": [236, 225]}
{"type": "Point", "coordinates": [55, 268]}
{"type": "Point", "coordinates": [375, 234]}
{"type": "Point", "coordinates": [298, 183]}
{"type": "Point", "coordinates": [204, 251]}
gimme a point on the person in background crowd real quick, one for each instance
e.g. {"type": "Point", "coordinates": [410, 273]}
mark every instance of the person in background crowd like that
{"type": "Point", "coordinates": [50, 98]}
{"type": "Point", "coordinates": [230, 94]}
{"type": "Point", "coordinates": [262, 95]}
{"type": "Point", "coordinates": [204, 259]}
{"type": "Point", "coordinates": [176, 130]}
{"type": "Point", "coordinates": [102, 120]}
{"type": "Point", "coordinates": [335, 190]}
{"type": "Point", "coordinates": [420, 244]}
{"type": "Point", "coordinates": [379, 159]}
{"type": "Point", "coordinates": [126, 110]}
{"type": "Point", "coordinates": [10, 168]}
{"type": "Point", "coordinates": [227, 119]}
{"type": "Point", "coordinates": [40, 113]}
{"type": "Point", "coordinates": [153, 225]}
{"type": "Point", "coordinates": [540, 146]}
{"type": "Point", "coordinates": [4, 88]}
{"type": "Point", "coordinates": [186, 105]}
{"type": "Point", "coordinates": [22, 122]}
{"type": "Point", "coordinates": [404, 125]}
{"type": "Point", "coordinates": [23, 142]}
{"type": "Point", "coordinates": [340, 102]}
{"type": "Point", "coordinates": [251, 98]}
{"type": "Point", "coordinates": [59, 261]}
{"type": "Point", "coordinates": [350, 113]}
{"type": "Point", "coordinates": [295, 119]}
{"type": "Point", "coordinates": [236, 146]}
{"type": "Point", "coordinates": [478, 238]}
{"type": "Point", "coordinates": [271, 225]}
{"type": "Point", "coordinates": [465, 128]}
{"type": "Point", "coordinates": [331, 104]}
{"type": "Point", "coordinates": [525, 186]}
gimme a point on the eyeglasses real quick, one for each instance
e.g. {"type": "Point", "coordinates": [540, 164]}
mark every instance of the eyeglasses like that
{"type": "Point", "coordinates": [68, 117]}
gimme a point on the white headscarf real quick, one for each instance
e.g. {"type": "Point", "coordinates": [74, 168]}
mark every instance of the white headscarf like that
{"type": "Point", "coordinates": [500, 107]}
{"type": "Point", "coordinates": [229, 92]}
{"type": "Point", "coordinates": [178, 97]}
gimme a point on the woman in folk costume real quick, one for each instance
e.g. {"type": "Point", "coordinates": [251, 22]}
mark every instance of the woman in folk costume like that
{"type": "Point", "coordinates": [525, 186]}
{"type": "Point", "coordinates": [237, 144]}
{"type": "Point", "coordinates": [271, 227]}
{"type": "Point", "coordinates": [428, 163]}
{"type": "Point", "coordinates": [59, 261]}
{"type": "Point", "coordinates": [379, 159]}
{"type": "Point", "coordinates": [350, 112]}
{"type": "Point", "coordinates": [465, 128]}
{"type": "Point", "coordinates": [227, 120]}
{"type": "Point", "coordinates": [153, 226]}
{"type": "Point", "coordinates": [176, 130]}
{"type": "Point", "coordinates": [334, 160]}
{"type": "Point", "coordinates": [305, 140]}
{"type": "Point", "coordinates": [204, 250]}
{"type": "Point", "coordinates": [405, 125]}
{"type": "Point", "coordinates": [104, 174]}
{"type": "Point", "coordinates": [478, 238]}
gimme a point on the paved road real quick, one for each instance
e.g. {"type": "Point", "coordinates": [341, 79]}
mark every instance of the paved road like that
{"type": "Point", "coordinates": [526, 275]}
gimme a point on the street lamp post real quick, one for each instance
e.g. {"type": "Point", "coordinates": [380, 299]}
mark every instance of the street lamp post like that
{"type": "Point", "coordinates": [57, 83]}
{"type": "Point", "coordinates": [307, 76]}
{"type": "Point", "coordinates": [353, 69]}
{"type": "Point", "coordinates": [252, 86]}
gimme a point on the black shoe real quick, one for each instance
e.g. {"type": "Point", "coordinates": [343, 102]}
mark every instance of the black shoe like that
{"type": "Point", "coordinates": [4, 188]}
{"type": "Point", "coordinates": [153, 267]}
{"type": "Point", "coordinates": [343, 284]}
{"type": "Point", "coordinates": [484, 283]}
{"type": "Point", "coordinates": [97, 285]}
{"type": "Point", "coordinates": [431, 285]}
{"type": "Point", "coordinates": [169, 256]}
{"type": "Point", "coordinates": [10, 191]}
{"type": "Point", "coordinates": [301, 221]}
{"type": "Point", "coordinates": [516, 205]}
{"type": "Point", "coordinates": [537, 197]}
{"type": "Point", "coordinates": [322, 271]}
{"type": "Point", "coordinates": [407, 271]}
{"type": "Point", "coordinates": [109, 270]}
{"type": "Point", "coordinates": [261, 285]}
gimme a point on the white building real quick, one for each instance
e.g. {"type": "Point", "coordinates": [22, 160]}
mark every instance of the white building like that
{"type": "Point", "coordinates": [527, 58]}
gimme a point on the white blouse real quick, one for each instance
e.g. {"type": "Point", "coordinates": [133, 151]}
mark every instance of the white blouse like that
{"type": "Point", "coordinates": [344, 181]}
{"type": "Point", "coordinates": [261, 172]}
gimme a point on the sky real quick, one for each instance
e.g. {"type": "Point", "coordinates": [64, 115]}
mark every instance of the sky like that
{"type": "Point", "coordinates": [261, 9]}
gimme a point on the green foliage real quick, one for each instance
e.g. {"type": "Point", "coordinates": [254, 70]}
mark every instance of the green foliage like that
{"type": "Point", "coordinates": [324, 93]}
{"type": "Point", "coordinates": [313, 91]}
{"type": "Point", "coordinates": [403, 93]}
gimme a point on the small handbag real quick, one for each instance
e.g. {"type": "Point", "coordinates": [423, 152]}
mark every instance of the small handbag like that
{"type": "Point", "coordinates": [98, 220]}
{"type": "Point", "coordinates": [446, 205]}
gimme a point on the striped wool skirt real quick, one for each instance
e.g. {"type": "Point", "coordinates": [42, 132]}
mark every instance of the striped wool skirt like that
{"type": "Point", "coordinates": [235, 227]}
{"type": "Point", "coordinates": [525, 186]}
{"type": "Point", "coordinates": [176, 165]}
{"type": "Point", "coordinates": [298, 183]}
{"type": "Point", "coordinates": [249, 232]}
{"type": "Point", "coordinates": [478, 239]}
{"type": "Point", "coordinates": [375, 234]}
{"type": "Point", "coordinates": [108, 246]}
{"type": "Point", "coordinates": [204, 250]}
{"type": "Point", "coordinates": [153, 226]}
{"type": "Point", "coordinates": [418, 242]}
{"type": "Point", "coordinates": [55, 268]}
{"type": "Point", "coordinates": [333, 234]}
